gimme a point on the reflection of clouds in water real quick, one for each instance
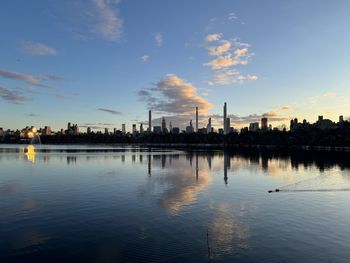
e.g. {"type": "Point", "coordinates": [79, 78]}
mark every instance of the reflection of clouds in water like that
{"type": "Point", "coordinates": [178, 187]}
{"type": "Point", "coordinates": [227, 233]}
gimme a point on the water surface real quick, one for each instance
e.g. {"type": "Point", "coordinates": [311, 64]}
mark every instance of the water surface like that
{"type": "Point", "coordinates": [128, 204]}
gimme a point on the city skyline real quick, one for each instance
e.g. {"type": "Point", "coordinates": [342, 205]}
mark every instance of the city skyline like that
{"type": "Point", "coordinates": [105, 63]}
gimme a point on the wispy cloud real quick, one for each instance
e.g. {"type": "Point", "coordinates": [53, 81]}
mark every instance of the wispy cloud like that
{"type": "Point", "coordinates": [32, 115]}
{"type": "Point", "coordinates": [114, 112]}
{"type": "Point", "coordinates": [145, 58]}
{"type": "Point", "coordinates": [158, 37]}
{"type": "Point", "coordinates": [38, 49]}
{"type": "Point", "coordinates": [14, 97]}
{"type": "Point", "coordinates": [26, 78]}
{"type": "Point", "coordinates": [107, 23]}
{"type": "Point", "coordinates": [173, 95]}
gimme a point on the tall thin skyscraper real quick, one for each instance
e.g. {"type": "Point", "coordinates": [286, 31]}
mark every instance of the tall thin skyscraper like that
{"type": "Point", "coordinates": [149, 121]}
{"type": "Point", "coordinates": [225, 118]}
{"type": "Point", "coordinates": [123, 128]}
{"type": "Point", "coordinates": [196, 119]}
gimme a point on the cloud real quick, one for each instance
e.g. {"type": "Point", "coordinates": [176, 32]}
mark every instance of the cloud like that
{"type": "Point", "coordinates": [232, 16]}
{"type": "Point", "coordinates": [172, 95]}
{"type": "Point", "coordinates": [241, 52]}
{"type": "Point", "coordinates": [14, 97]}
{"type": "Point", "coordinates": [213, 37]}
{"type": "Point", "coordinates": [32, 115]}
{"type": "Point", "coordinates": [158, 37]}
{"type": "Point", "coordinates": [145, 57]}
{"type": "Point", "coordinates": [114, 112]}
{"type": "Point", "coordinates": [329, 94]}
{"type": "Point", "coordinates": [218, 50]}
{"type": "Point", "coordinates": [225, 62]}
{"type": "Point", "coordinates": [229, 55]}
{"type": "Point", "coordinates": [286, 107]}
{"type": "Point", "coordinates": [26, 78]}
{"type": "Point", "coordinates": [38, 49]}
{"type": "Point", "coordinates": [107, 23]}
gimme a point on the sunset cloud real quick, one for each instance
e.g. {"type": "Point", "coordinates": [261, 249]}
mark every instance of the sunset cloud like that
{"type": "Point", "coordinates": [218, 50]}
{"type": "Point", "coordinates": [173, 95]}
{"type": "Point", "coordinates": [213, 37]}
{"type": "Point", "coordinates": [329, 94]}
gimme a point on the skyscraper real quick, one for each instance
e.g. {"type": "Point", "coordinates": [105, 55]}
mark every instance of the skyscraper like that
{"type": "Point", "coordinates": [196, 119]}
{"type": "Point", "coordinates": [163, 125]}
{"type": "Point", "coordinates": [225, 118]}
{"type": "Point", "coordinates": [209, 126]}
{"type": "Point", "coordinates": [123, 128]}
{"type": "Point", "coordinates": [264, 125]}
{"type": "Point", "coordinates": [149, 121]}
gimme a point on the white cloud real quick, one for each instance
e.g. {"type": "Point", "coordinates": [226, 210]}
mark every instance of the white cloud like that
{"type": "Point", "coordinates": [38, 49]}
{"type": "Point", "coordinates": [225, 62]}
{"type": "Point", "coordinates": [232, 16]}
{"type": "Point", "coordinates": [145, 57]}
{"type": "Point", "coordinates": [213, 37]}
{"type": "Point", "coordinates": [158, 37]}
{"type": "Point", "coordinates": [107, 23]}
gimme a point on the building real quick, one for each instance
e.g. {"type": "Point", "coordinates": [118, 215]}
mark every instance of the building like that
{"type": "Point", "coordinates": [189, 129]}
{"type": "Point", "coordinates": [341, 118]}
{"type": "Point", "coordinates": [2, 133]}
{"type": "Point", "coordinates": [46, 131]}
{"type": "Point", "coordinates": [254, 126]}
{"type": "Point", "coordinates": [209, 129]}
{"type": "Point", "coordinates": [164, 129]}
{"type": "Point", "coordinates": [157, 129]}
{"type": "Point", "coordinates": [196, 119]}
{"type": "Point", "coordinates": [141, 128]}
{"type": "Point", "coordinates": [225, 118]}
{"type": "Point", "coordinates": [228, 126]}
{"type": "Point", "coordinates": [106, 131]}
{"type": "Point", "coordinates": [134, 128]}
{"type": "Point", "coordinates": [88, 130]}
{"type": "Point", "coordinates": [175, 130]}
{"type": "Point", "coordinates": [149, 121]}
{"type": "Point", "coordinates": [123, 128]}
{"type": "Point", "coordinates": [264, 124]}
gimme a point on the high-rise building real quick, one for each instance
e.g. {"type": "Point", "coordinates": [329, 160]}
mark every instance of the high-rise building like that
{"type": "Point", "coordinates": [149, 121]}
{"type": "Point", "coordinates": [106, 131]}
{"type": "Point", "coordinates": [228, 126]}
{"type": "Point", "coordinates": [254, 126]}
{"type": "Point", "coordinates": [2, 132]}
{"type": "Point", "coordinates": [341, 118]}
{"type": "Point", "coordinates": [134, 128]}
{"type": "Point", "coordinates": [46, 131]}
{"type": "Point", "coordinates": [141, 128]}
{"type": "Point", "coordinates": [209, 126]}
{"type": "Point", "coordinates": [123, 128]}
{"type": "Point", "coordinates": [196, 119]}
{"type": "Point", "coordinates": [264, 125]}
{"type": "Point", "coordinates": [170, 127]}
{"type": "Point", "coordinates": [88, 130]}
{"type": "Point", "coordinates": [189, 129]}
{"type": "Point", "coordinates": [225, 117]}
{"type": "Point", "coordinates": [163, 125]}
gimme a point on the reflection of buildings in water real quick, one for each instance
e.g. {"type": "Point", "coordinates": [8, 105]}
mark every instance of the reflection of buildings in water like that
{"type": "Point", "coordinates": [197, 167]}
{"type": "Point", "coordinates": [140, 158]}
{"type": "Point", "coordinates": [133, 158]}
{"type": "Point", "coordinates": [123, 158]}
{"type": "Point", "coordinates": [227, 165]}
{"type": "Point", "coordinates": [179, 186]}
{"type": "Point", "coordinates": [71, 160]}
{"type": "Point", "coordinates": [227, 232]}
{"type": "Point", "coordinates": [149, 165]}
{"type": "Point", "coordinates": [163, 160]}
{"type": "Point", "coordinates": [30, 153]}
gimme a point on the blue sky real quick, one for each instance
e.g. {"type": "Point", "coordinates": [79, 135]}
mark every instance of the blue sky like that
{"type": "Point", "coordinates": [102, 63]}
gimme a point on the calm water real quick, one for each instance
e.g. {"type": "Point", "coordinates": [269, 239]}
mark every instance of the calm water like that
{"type": "Point", "coordinates": [104, 204]}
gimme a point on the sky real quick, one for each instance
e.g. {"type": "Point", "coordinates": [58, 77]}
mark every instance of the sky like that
{"type": "Point", "coordinates": [101, 63]}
